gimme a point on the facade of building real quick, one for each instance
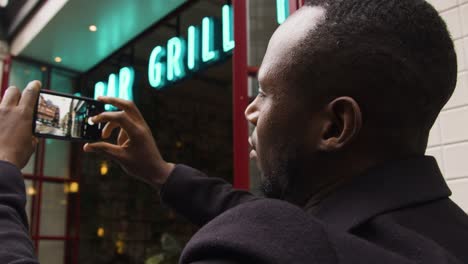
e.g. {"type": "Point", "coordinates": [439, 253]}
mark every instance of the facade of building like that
{"type": "Point", "coordinates": [84, 209]}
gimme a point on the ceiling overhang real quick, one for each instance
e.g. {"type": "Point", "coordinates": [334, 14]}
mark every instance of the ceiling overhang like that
{"type": "Point", "coordinates": [61, 28]}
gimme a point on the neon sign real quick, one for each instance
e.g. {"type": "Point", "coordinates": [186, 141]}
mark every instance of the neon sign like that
{"type": "Point", "coordinates": [205, 44]}
{"type": "Point", "coordinates": [120, 86]}
{"type": "Point", "coordinates": [282, 10]}
{"type": "Point", "coordinates": [180, 56]}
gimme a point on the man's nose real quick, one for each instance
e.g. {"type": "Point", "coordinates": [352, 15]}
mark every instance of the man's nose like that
{"type": "Point", "coordinates": [251, 113]}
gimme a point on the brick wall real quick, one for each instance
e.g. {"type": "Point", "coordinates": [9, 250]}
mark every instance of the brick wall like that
{"type": "Point", "coordinates": [448, 140]}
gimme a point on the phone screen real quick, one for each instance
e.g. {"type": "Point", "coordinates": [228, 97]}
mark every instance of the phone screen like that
{"type": "Point", "coordinates": [66, 117]}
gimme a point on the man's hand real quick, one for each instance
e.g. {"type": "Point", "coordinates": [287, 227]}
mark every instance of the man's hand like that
{"type": "Point", "coordinates": [17, 142]}
{"type": "Point", "coordinates": [136, 150]}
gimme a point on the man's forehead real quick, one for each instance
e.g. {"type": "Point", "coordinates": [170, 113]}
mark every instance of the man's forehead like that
{"type": "Point", "coordinates": [288, 37]}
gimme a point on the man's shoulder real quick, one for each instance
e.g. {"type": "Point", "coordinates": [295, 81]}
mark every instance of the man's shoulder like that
{"type": "Point", "coordinates": [434, 224]}
{"type": "Point", "coordinates": [263, 231]}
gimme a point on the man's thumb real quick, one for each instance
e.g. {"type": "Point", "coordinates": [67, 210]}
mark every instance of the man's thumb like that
{"type": "Point", "coordinates": [108, 149]}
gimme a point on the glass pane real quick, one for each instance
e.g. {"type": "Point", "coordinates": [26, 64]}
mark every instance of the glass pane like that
{"type": "Point", "coordinates": [51, 252]}
{"type": "Point", "coordinates": [61, 82]}
{"type": "Point", "coordinates": [57, 158]}
{"type": "Point", "coordinates": [30, 192]}
{"type": "Point", "coordinates": [29, 168]}
{"type": "Point", "coordinates": [254, 172]}
{"type": "Point", "coordinates": [262, 22]}
{"type": "Point", "coordinates": [53, 210]}
{"type": "Point", "coordinates": [22, 73]}
{"type": "Point", "coordinates": [1, 70]}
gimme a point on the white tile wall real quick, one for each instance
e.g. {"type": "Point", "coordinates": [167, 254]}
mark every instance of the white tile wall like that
{"type": "Point", "coordinates": [448, 141]}
{"type": "Point", "coordinates": [453, 20]}
{"type": "Point", "coordinates": [434, 136]}
{"type": "Point", "coordinates": [459, 196]}
{"type": "Point", "coordinates": [460, 95]}
{"type": "Point", "coordinates": [460, 49]}
{"type": "Point", "coordinates": [454, 158]}
{"type": "Point", "coordinates": [454, 125]}
{"type": "Point", "coordinates": [437, 154]}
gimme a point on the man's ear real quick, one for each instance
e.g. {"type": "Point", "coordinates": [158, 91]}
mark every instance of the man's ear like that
{"type": "Point", "coordinates": [342, 125]}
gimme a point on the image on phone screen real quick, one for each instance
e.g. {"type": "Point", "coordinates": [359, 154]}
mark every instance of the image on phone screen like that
{"type": "Point", "coordinates": [67, 117]}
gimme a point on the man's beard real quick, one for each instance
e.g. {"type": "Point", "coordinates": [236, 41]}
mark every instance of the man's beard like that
{"type": "Point", "coordinates": [276, 184]}
{"type": "Point", "coordinates": [283, 181]}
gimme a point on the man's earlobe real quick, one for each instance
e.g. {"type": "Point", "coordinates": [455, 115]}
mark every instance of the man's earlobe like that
{"type": "Point", "coordinates": [343, 124]}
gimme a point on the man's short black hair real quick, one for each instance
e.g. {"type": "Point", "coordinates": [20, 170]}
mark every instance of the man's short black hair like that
{"type": "Point", "coordinates": [395, 57]}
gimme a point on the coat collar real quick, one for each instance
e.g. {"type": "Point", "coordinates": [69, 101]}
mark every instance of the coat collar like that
{"type": "Point", "coordinates": [385, 188]}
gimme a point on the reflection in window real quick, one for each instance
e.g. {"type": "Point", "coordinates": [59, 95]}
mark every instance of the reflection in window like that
{"type": "Point", "coordinates": [51, 252]}
{"type": "Point", "coordinates": [53, 209]}
{"type": "Point", "coordinates": [22, 73]}
{"type": "Point", "coordinates": [57, 158]}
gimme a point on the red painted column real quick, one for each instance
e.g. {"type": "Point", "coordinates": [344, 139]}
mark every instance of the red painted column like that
{"type": "Point", "coordinates": [301, 3]}
{"type": "Point", "coordinates": [240, 97]}
{"type": "Point", "coordinates": [293, 6]}
{"type": "Point", "coordinates": [5, 75]}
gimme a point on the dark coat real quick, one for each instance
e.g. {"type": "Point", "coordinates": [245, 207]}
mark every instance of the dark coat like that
{"type": "Point", "coordinates": [396, 213]}
{"type": "Point", "coordinates": [15, 243]}
{"type": "Point", "coordinates": [399, 213]}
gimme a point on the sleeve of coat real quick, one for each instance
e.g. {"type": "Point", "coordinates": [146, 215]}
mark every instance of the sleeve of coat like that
{"type": "Point", "coordinates": [200, 198]}
{"type": "Point", "coordinates": [272, 231]}
{"type": "Point", "coordinates": [15, 243]}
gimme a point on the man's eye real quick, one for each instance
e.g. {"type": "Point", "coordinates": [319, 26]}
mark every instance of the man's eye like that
{"type": "Point", "coordinates": [261, 94]}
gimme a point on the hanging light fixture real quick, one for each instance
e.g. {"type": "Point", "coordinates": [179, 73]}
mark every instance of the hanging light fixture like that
{"type": "Point", "coordinates": [3, 3]}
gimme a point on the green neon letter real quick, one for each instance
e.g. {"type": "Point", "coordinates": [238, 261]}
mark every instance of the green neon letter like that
{"type": "Point", "coordinates": [282, 10]}
{"type": "Point", "coordinates": [156, 68]}
{"type": "Point", "coordinates": [208, 40]}
{"type": "Point", "coordinates": [193, 49]}
{"type": "Point", "coordinates": [126, 78]}
{"type": "Point", "coordinates": [176, 49]}
{"type": "Point", "coordinates": [100, 89]}
{"type": "Point", "coordinates": [228, 29]}
{"type": "Point", "coordinates": [111, 90]}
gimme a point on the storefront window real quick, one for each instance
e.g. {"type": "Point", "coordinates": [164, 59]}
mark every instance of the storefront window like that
{"type": "Point", "coordinates": [262, 22]}
{"type": "Point", "coordinates": [51, 252]}
{"type": "Point", "coordinates": [53, 209]}
{"type": "Point", "coordinates": [21, 73]}
{"type": "Point", "coordinates": [57, 158]}
{"type": "Point", "coordinates": [122, 218]}
{"type": "Point", "coordinates": [116, 218]}
{"type": "Point", "coordinates": [30, 192]}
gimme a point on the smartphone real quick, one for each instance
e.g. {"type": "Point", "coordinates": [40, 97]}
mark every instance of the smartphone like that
{"type": "Point", "coordinates": [66, 117]}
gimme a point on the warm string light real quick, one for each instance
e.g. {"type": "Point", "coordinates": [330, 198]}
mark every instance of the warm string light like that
{"type": "Point", "coordinates": [72, 187]}
{"type": "Point", "coordinates": [100, 232]}
{"type": "Point", "coordinates": [104, 168]}
{"type": "Point", "coordinates": [31, 191]}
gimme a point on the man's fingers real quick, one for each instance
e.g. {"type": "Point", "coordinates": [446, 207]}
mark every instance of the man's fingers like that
{"type": "Point", "coordinates": [29, 96]}
{"type": "Point", "coordinates": [121, 118]}
{"type": "Point", "coordinates": [125, 105]}
{"type": "Point", "coordinates": [11, 97]}
{"type": "Point", "coordinates": [107, 130]}
{"type": "Point", "coordinates": [111, 150]}
{"type": "Point", "coordinates": [123, 137]}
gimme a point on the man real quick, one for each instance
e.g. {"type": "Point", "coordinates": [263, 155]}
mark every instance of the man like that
{"type": "Point", "coordinates": [349, 92]}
